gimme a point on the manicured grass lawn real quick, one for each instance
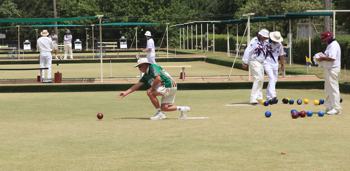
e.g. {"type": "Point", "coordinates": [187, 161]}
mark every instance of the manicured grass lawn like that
{"type": "Point", "coordinates": [60, 131]}
{"type": "Point", "coordinates": [92, 70]}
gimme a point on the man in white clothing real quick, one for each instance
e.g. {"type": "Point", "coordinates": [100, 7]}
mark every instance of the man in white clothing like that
{"type": "Point", "coordinates": [45, 46]}
{"type": "Point", "coordinates": [274, 55]}
{"type": "Point", "coordinates": [68, 44]}
{"type": "Point", "coordinates": [150, 48]}
{"type": "Point", "coordinates": [330, 61]}
{"type": "Point", "coordinates": [254, 57]}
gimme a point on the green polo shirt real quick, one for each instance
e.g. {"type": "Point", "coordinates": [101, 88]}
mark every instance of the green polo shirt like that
{"type": "Point", "coordinates": [153, 71]}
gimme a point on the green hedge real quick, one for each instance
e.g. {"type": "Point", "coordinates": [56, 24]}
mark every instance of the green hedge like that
{"type": "Point", "coordinates": [301, 49]}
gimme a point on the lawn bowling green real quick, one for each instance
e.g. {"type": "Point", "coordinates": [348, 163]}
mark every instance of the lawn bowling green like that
{"type": "Point", "coordinates": [60, 131]}
{"type": "Point", "coordinates": [113, 70]}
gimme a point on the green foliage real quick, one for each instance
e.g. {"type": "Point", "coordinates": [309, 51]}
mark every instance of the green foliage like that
{"type": "Point", "coordinates": [343, 18]}
{"type": "Point", "coordinates": [272, 7]}
{"type": "Point", "coordinates": [301, 49]}
{"type": "Point", "coordinates": [9, 9]}
{"type": "Point", "coordinates": [35, 9]}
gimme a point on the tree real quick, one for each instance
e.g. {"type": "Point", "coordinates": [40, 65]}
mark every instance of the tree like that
{"type": "Point", "coordinates": [343, 18]}
{"type": "Point", "coordinates": [8, 9]}
{"type": "Point", "coordinates": [272, 7]}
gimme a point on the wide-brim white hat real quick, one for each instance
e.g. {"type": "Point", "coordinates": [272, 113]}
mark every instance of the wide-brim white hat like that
{"type": "Point", "coordinates": [276, 36]}
{"type": "Point", "coordinates": [142, 61]}
{"type": "Point", "coordinates": [44, 33]}
{"type": "Point", "coordinates": [148, 33]}
{"type": "Point", "coordinates": [264, 33]}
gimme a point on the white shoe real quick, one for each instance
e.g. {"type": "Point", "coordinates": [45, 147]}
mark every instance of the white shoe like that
{"type": "Point", "coordinates": [183, 115]}
{"type": "Point", "coordinates": [185, 108]}
{"type": "Point", "coordinates": [158, 116]}
{"type": "Point", "coordinates": [333, 112]}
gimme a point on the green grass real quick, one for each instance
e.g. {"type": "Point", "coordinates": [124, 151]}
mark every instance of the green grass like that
{"type": "Point", "coordinates": [59, 131]}
{"type": "Point", "coordinates": [92, 70]}
{"type": "Point", "coordinates": [6, 55]}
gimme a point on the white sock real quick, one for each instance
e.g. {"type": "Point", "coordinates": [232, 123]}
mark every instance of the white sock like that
{"type": "Point", "coordinates": [158, 110]}
{"type": "Point", "coordinates": [178, 108]}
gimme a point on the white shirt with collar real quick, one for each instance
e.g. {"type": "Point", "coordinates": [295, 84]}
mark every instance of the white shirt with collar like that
{"type": "Point", "coordinates": [275, 50]}
{"type": "Point", "coordinates": [44, 44]}
{"type": "Point", "coordinates": [150, 45]}
{"type": "Point", "coordinates": [333, 51]}
{"type": "Point", "coordinates": [255, 51]}
{"type": "Point", "coordinates": [68, 39]}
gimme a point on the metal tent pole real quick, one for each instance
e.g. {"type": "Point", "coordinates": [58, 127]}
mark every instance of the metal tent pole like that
{"type": "Point", "coordinates": [167, 40]}
{"type": "Point", "coordinates": [136, 38]}
{"type": "Point", "coordinates": [18, 41]}
{"type": "Point", "coordinates": [183, 38]}
{"type": "Point", "coordinates": [310, 30]}
{"type": "Point", "coordinates": [93, 40]}
{"type": "Point", "coordinates": [187, 37]}
{"type": "Point", "coordinates": [290, 35]}
{"type": "Point", "coordinates": [191, 37]}
{"type": "Point", "coordinates": [228, 41]}
{"type": "Point", "coordinates": [213, 45]}
{"type": "Point", "coordinates": [334, 24]}
{"type": "Point", "coordinates": [180, 39]}
{"type": "Point", "coordinates": [207, 37]}
{"type": "Point", "coordinates": [101, 60]}
{"type": "Point", "coordinates": [201, 36]}
{"type": "Point", "coordinates": [196, 38]}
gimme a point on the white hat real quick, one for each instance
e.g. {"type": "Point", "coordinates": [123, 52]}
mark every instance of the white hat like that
{"type": "Point", "coordinates": [276, 36]}
{"type": "Point", "coordinates": [44, 33]}
{"type": "Point", "coordinates": [142, 61]}
{"type": "Point", "coordinates": [264, 33]}
{"type": "Point", "coordinates": [148, 33]}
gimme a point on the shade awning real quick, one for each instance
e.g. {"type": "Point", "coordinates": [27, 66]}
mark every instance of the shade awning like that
{"type": "Point", "coordinates": [121, 24]}
{"type": "Point", "coordinates": [307, 14]}
{"type": "Point", "coordinates": [44, 20]}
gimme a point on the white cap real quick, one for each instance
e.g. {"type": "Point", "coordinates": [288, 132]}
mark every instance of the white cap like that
{"type": "Point", "coordinates": [148, 33]}
{"type": "Point", "coordinates": [142, 61]}
{"type": "Point", "coordinates": [276, 36]}
{"type": "Point", "coordinates": [264, 33]}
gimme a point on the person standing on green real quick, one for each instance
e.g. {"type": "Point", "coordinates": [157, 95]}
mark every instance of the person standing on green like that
{"type": "Point", "coordinates": [158, 83]}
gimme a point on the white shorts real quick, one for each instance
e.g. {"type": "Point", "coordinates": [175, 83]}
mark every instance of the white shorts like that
{"type": "Point", "coordinates": [168, 94]}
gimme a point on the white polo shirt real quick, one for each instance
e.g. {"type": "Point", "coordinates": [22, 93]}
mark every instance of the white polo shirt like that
{"type": "Point", "coordinates": [44, 44]}
{"type": "Point", "coordinates": [333, 51]}
{"type": "Point", "coordinates": [68, 39]}
{"type": "Point", "coordinates": [275, 51]}
{"type": "Point", "coordinates": [150, 45]}
{"type": "Point", "coordinates": [255, 51]}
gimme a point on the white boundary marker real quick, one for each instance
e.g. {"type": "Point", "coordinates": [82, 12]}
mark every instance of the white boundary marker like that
{"type": "Point", "coordinates": [193, 118]}
{"type": "Point", "coordinates": [239, 105]}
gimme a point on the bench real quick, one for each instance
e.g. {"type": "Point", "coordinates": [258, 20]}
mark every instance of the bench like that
{"type": "Point", "coordinates": [182, 73]}
{"type": "Point", "coordinates": [25, 69]}
{"type": "Point", "coordinates": [108, 45]}
{"type": "Point", "coordinates": [11, 51]}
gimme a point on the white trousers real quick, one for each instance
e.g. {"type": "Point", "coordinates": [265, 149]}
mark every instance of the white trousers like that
{"type": "Point", "coordinates": [68, 50]}
{"type": "Point", "coordinates": [331, 88]}
{"type": "Point", "coordinates": [151, 58]}
{"type": "Point", "coordinates": [45, 62]}
{"type": "Point", "coordinates": [257, 71]}
{"type": "Point", "coordinates": [272, 73]}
